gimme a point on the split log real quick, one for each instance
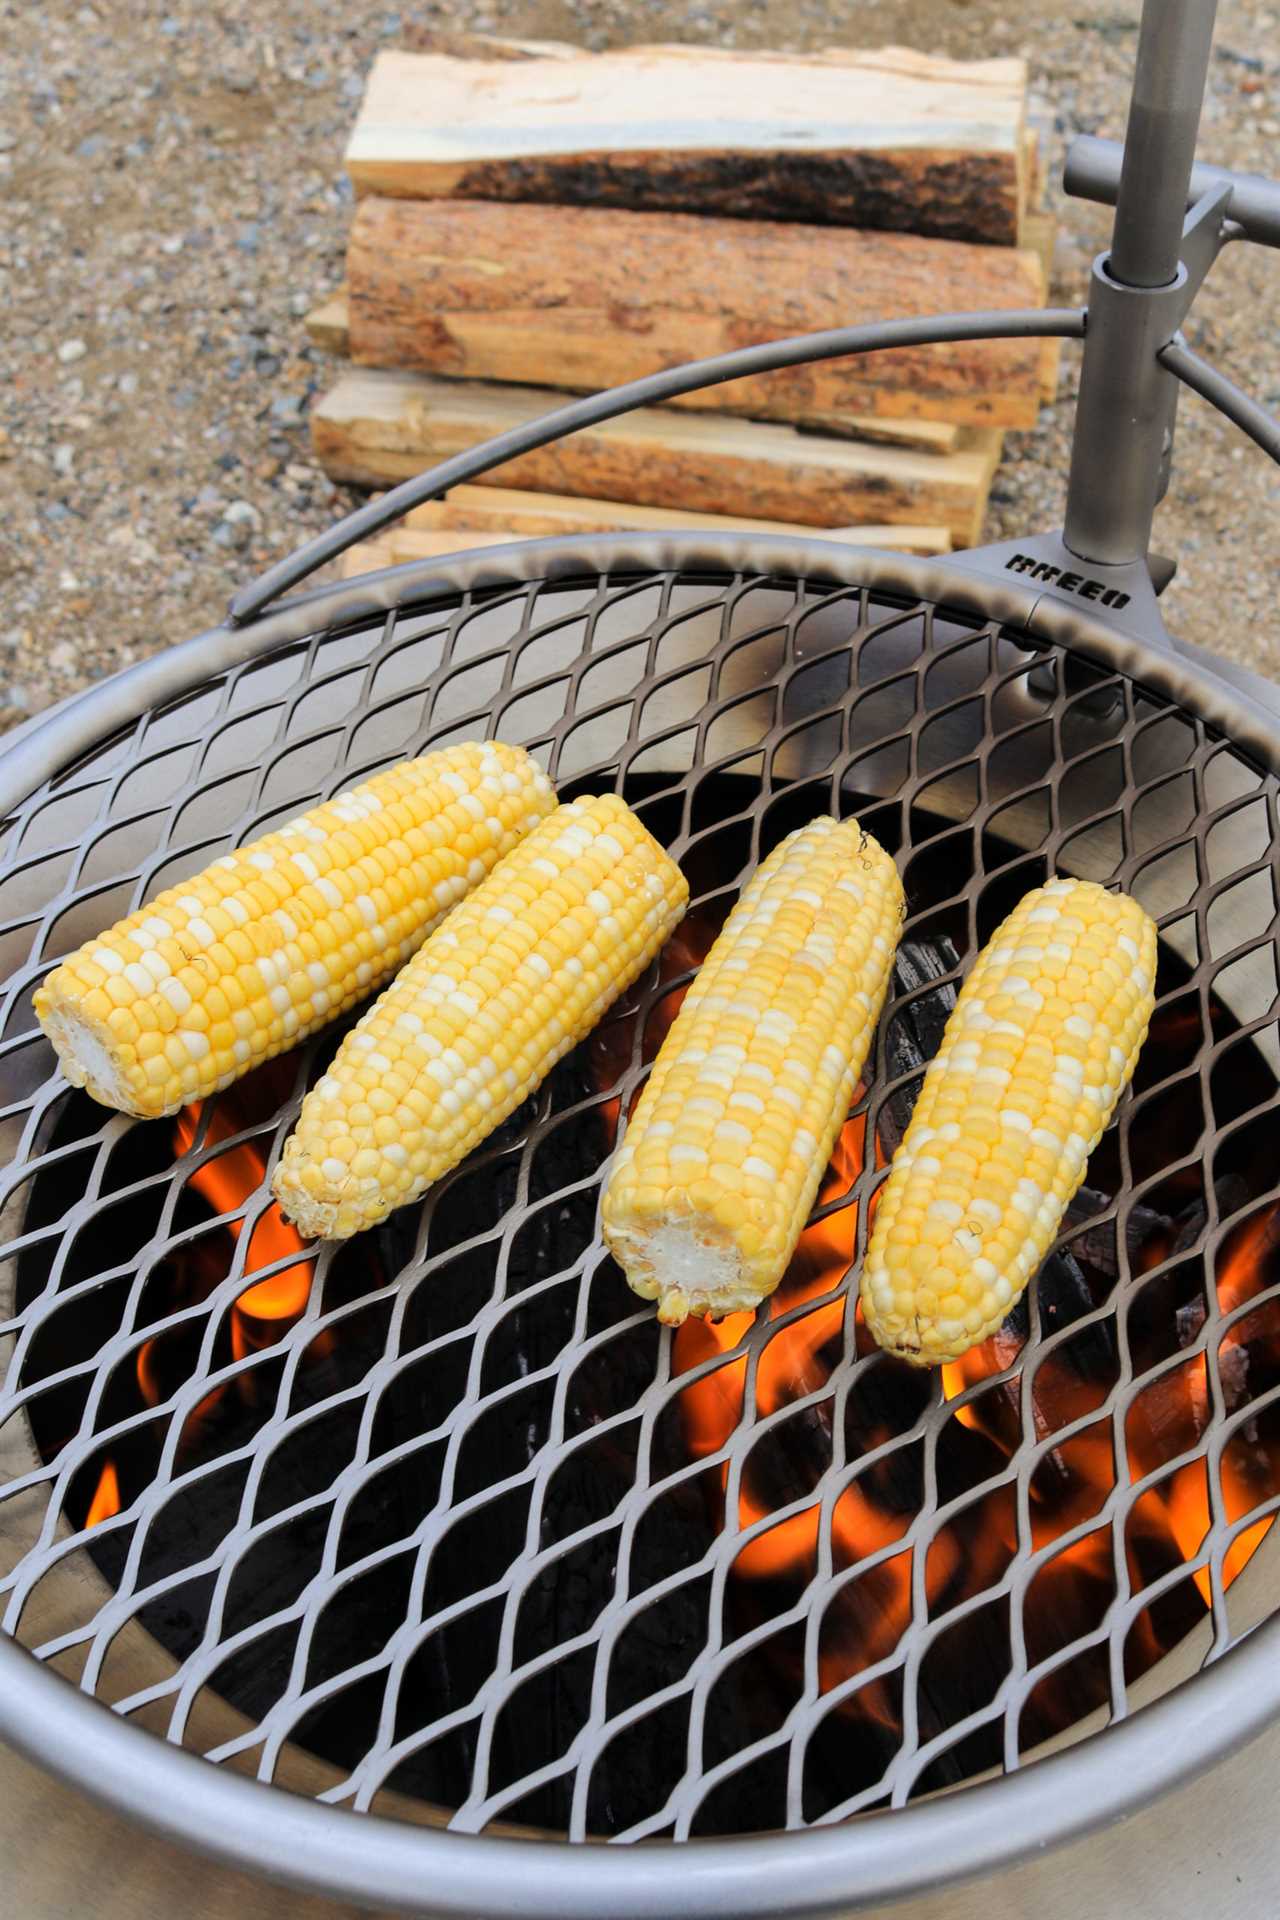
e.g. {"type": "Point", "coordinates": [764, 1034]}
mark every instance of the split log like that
{"type": "Point", "coordinates": [891, 139]}
{"type": "Point", "coordinates": [375, 428]}
{"type": "Point", "coordinates": [413, 542]}
{"type": "Point", "coordinates": [327, 323]}
{"type": "Point", "coordinates": [328, 326]}
{"type": "Point", "coordinates": [586, 298]}
{"type": "Point", "coordinates": [525, 515]}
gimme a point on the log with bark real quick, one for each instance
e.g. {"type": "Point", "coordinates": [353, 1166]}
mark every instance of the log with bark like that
{"type": "Point", "coordinates": [374, 428]}
{"type": "Point", "coordinates": [585, 298]}
{"type": "Point", "coordinates": [891, 139]}
{"type": "Point", "coordinates": [328, 326]}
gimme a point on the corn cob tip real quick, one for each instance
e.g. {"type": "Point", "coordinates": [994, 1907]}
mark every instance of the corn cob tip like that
{"type": "Point", "coordinates": [686, 1272]}
{"type": "Point", "coordinates": [90, 1055]}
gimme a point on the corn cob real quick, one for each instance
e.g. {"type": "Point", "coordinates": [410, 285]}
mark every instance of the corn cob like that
{"type": "Point", "coordinates": [1041, 1043]}
{"type": "Point", "coordinates": [223, 971]}
{"type": "Point", "coordinates": [520, 972]}
{"type": "Point", "coordinates": [713, 1183]}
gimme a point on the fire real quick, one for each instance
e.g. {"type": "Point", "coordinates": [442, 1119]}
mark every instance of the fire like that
{"type": "Point", "coordinates": [261, 1313]}
{"type": "Point", "coordinates": [226, 1182]}
{"type": "Point", "coordinates": [106, 1499]}
{"type": "Point", "coordinates": [1170, 1416]}
{"type": "Point", "coordinates": [787, 1468]}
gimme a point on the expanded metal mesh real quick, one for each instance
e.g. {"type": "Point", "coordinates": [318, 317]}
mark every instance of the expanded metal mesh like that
{"type": "Point", "coordinates": [463, 1541]}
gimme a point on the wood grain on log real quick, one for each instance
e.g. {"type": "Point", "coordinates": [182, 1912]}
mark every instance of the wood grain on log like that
{"type": "Point", "coordinates": [891, 139]}
{"type": "Point", "coordinates": [425, 540]}
{"type": "Point", "coordinates": [586, 298]}
{"type": "Point", "coordinates": [374, 428]}
{"type": "Point", "coordinates": [524, 515]}
{"type": "Point", "coordinates": [328, 326]}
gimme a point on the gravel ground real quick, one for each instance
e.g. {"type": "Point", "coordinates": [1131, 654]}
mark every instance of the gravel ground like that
{"type": "Point", "coordinates": [174, 202]}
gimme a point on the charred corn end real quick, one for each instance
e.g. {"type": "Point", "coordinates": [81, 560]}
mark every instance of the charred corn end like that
{"type": "Point", "coordinates": [518, 974]}
{"type": "Point", "coordinates": [714, 1181]}
{"type": "Point", "coordinates": [1040, 1045]}
{"type": "Point", "coordinates": [225, 970]}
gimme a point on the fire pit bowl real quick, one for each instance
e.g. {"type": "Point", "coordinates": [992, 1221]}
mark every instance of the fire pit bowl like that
{"type": "Point", "coordinates": [405, 1569]}
{"type": "Point", "coordinates": [229, 1458]}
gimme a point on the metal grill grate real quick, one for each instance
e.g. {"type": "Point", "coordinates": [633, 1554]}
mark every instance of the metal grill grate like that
{"type": "Point", "coordinates": [486, 1349]}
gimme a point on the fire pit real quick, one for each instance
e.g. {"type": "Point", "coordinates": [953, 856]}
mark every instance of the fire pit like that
{"type": "Point", "coordinates": [438, 1524]}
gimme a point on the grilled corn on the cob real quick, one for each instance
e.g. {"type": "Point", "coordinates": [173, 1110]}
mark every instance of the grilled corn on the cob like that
{"type": "Point", "coordinates": [1041, 1043]}
{"type": "Point", "coordinates": [223, 971]}
{"type": "Point", "coordinates": [714, 1181]}
{"type": "Point", "coordinates": [520, 972]}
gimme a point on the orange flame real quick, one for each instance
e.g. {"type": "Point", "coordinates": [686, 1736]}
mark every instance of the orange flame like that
{"type": "Point", "coordinates": [963, 1559]}
{"type": "Point", "coordinates": [262, 1310]}
{"type": "Point", "coordinates": [106, 1498]}
{"type": "Point", "coordinates": [225, 1182]}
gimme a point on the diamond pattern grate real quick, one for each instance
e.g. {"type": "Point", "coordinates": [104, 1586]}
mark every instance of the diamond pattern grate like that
{"type": "Point", "coordinates": [450, 1532]}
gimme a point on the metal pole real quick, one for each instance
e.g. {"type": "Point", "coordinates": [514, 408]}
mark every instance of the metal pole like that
{"type": "Point", "coordinates": [1160, 140]}
{"type": "Point", "coordinates": [1124, 416]}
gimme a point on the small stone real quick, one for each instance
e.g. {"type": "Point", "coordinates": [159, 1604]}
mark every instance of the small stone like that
{"type": "Point", "coordinates": [249, 237]}
{"type": "Point", "coordinates": [67, 581]}
{"type": "Point", "coordinates": [92, 147]}
{"type": "Point", "coordinates": [241, 513]}
{"type": "Point", "coordinates": [127, 383]}
{"type": "Point", "coordinates": [8, 141]}
{"type": "Point", "coordinates": [64, 457]}
{"type": "Point", "coordinates": [63, 655]}
{"type": "Point", "coordinates": [288, 409]}
{"type": "Point", "coordinates": [72, 350]}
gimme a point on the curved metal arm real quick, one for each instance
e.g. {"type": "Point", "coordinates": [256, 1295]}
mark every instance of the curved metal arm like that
{"type": "Point", "coordinates": [835, 343]}
{"type": "Point", "coordinates": [1262, 427]}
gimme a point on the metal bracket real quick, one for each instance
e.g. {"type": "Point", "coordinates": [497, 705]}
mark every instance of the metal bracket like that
{"type": "Point", "coordinates": [1092, 172]}
{"type": "Point", "coordinates": [1118, 478]}
{"type": "Point", "coordinates": [1123, 596]}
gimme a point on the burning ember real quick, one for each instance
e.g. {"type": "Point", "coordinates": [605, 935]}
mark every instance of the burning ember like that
{"type": "Point", "coordinates": [261, 1314]}
{"type": "Point", "coordinates": [838, 1520]}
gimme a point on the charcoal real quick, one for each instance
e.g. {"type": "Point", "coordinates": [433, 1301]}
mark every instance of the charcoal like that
{"type": "Point", "coordinates": [914, 1031]}
{"type": "Point", "coordinates": [1096, 1246]}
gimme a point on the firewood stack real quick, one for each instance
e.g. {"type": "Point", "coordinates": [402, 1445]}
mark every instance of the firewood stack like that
{"type": "Point", "coordinates": [534, 221]}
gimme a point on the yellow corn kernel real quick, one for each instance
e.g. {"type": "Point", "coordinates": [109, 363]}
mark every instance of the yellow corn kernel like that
{"type": "Point", "coordinates": [1039, 1047]}
{"type": "Point", "coordinates": [221, 972]}
{"type": "Point", "coordinates": [517, 976]}
{"type": "Point", "coordinates": [714, 1180]}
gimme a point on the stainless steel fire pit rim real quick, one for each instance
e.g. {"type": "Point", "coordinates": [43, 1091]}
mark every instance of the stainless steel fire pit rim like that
{"type": "Point", "coordinates": [818, 1874]}
{"type": "Point", "coordinates": [1230, 699]}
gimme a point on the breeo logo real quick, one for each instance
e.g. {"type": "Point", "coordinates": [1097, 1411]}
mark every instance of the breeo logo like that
{"type": "Point", "coordinates": [1070, 582]}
